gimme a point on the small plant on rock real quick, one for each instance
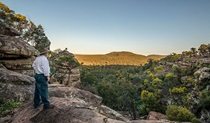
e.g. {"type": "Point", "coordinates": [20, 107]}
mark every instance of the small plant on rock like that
{"type": "Point", "coordinates": [8, 106]}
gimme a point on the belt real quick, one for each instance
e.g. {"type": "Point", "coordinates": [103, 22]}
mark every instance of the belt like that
{"type": "Point", "coordinates": [39, 74]}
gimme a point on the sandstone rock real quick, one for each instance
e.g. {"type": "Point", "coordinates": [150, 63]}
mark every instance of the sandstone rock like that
{"type": "Point", "coordinates": [156, 116]}
{"type": "Point", "coordinates": [203, 73]}
{"type": "Point", "coordinates": [18, 64]}
{"type": "Point", "coordinates": [69, 92]}
{"type": "Point", "coordinates": [11, 48]}
{"type": "Point", "coordinates": [23, 66]}
{"type": "Point", "coordinates": [154, 121]}
{"type": "Point", "coordinates": [65, 68]}
{"type": "Point", "coordinates": [183, 64]}
{"type": "Point", "coordinates": [111, 113]}
{"type": "Point", "coordinates": [15, 86]}
{"type": "Point", "coordinates": [65, 112]}
{"type": "Point", "coordinates": [72, 106]}
{"type": "Point", "coordinates": [75, 70]}
{"type": "Point", "coordinates": [2, 66]}
{"type": "Point", "coordinates": [5, 29]}
{"type": "Point", "coordinates": [26, 72]}
{"type": "Point", "coordinates": [205, 116]}
{"type": "Point", "coordinates": [204, 60]}
{"type": "Point", "coordinates": [145, 121]}
{"type": "Point", "coordinates": [5, 119]}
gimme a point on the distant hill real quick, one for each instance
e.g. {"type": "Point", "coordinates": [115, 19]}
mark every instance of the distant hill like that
{"type": "Point", "coordinates": [115, 58]}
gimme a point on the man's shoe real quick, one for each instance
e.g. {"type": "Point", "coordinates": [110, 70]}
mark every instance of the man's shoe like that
{"type": "Point", "coordinates": [36, 106]}
{"type": "Point", "coordinates": [49, 107]}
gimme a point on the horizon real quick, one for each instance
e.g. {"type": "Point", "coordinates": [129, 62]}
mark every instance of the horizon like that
{"type": "Point", "coordinates": [120, 52]}
{"type": "Point", "coordinates": [142, 27]}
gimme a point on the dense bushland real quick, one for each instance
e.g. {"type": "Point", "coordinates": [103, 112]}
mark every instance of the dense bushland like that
{"type": "Point", "coordinates": [173, 80]}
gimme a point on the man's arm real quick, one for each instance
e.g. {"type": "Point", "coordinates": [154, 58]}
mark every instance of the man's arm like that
{"type": "Point", "coordinates": [46, 68]}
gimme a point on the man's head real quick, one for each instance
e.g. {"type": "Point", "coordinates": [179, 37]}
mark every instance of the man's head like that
{"type": "Point", "coordinates": [43, 51]}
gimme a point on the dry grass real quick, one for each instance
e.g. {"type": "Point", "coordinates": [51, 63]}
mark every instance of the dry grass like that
{"type": "Point", "coordinates": [115, 58]}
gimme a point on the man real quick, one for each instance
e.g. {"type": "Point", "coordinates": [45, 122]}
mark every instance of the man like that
{"type": "Point", "coordinates": [42, 77]}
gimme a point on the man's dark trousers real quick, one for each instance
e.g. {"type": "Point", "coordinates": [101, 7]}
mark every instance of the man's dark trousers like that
{"type": "Point", "coordinates": [41, 90]}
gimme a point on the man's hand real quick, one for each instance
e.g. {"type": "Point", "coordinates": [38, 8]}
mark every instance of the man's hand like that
{"type": "Point", "coordinates": [48, 79]}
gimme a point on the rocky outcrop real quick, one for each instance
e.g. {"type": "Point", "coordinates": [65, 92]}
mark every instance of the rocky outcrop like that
{"type": "Point", "coordinates": [65, 68]}
{"type": "Point", "coordinates": [13, 48]}
{"type": "Point", "coordinates": [15, 54]}
{"type": "Point", "coordinates": [72, 106]}
{"type": "Point", "coordinates": [65, 112]}
{"type": "Point", "coordinates": [15, 86]}
{"type": "Point", "coordinates": [203, 60]}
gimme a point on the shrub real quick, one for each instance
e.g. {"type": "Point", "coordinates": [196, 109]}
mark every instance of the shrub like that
{"type": "Point", "coordinates": [177, 90]}
{"type": "Point", "coordinates": [171, 80]}
{"type": "Point", "coordinates": [189, 80]}
{"type": "Point", "coordinates": [158, 69]}
{"type": "Point", "coordinates": [8, 106]}
{"type": "Point", "coordinates": [142, 109]}
{"type": "Point", "coordinates": [204, 99]}
{"type": "Point", "coordinates": [196, 75]}
{"type": "Point", "coordinates": [157, 83]}
{"type": "Point", "coordinates": [195, 120]}
{"type": "Point", "coordinates": [178, 113]}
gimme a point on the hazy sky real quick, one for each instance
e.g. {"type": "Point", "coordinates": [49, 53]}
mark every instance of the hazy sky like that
{"type": "Point", "coordinates": [102, 26]}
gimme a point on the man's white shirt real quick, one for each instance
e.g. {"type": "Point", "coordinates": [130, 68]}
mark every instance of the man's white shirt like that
{"type": "Point", "coordinates": [41, 65]}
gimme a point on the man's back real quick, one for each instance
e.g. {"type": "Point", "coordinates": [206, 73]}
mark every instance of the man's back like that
{"type": "Point", "coordinates": [41, 65]}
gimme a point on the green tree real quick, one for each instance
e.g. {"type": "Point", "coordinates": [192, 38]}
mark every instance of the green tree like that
{"type": "Point", "coordinates": [203, 49]}
{"type": "Point", "coordinates": [40, 39]}
{"type": "Point", "coordinates": [194, 51]}
{"type": "Point", "coordinates": [31, 33]}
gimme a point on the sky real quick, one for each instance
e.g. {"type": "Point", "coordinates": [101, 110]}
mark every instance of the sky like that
{"type": "Point", "coordinates": [103, 26]}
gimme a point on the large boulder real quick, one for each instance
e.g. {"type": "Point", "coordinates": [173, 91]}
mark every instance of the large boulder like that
{"type": "Point", "coordinates": [13, 48]}
{"type": "Point", "coordinates": [23, 66]}
{"type": "Point", "coordinates": [15, 86]}
{"type": "Point", "coordinates": [85, 97]}
{"type": "Point", "coordinates": [71, 92]}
